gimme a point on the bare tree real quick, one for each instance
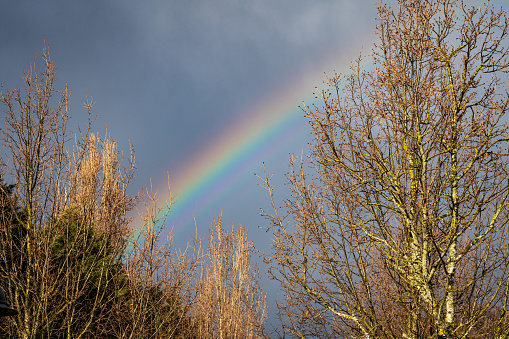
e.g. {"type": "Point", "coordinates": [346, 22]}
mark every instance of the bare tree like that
{"type": "Point", "coordinates": [400, 229]}
{"type": "Point", "coordinates": [35, 158]}
{"type": "Point", "coordinates": [230, 303]}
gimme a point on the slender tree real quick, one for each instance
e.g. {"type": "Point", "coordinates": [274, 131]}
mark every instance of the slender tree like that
{"type": "Point", "coordinates": [400, 230]}
{"type": "Point", "coordinates": [230, 302]}
{"type": "Point", "coordinates": [34, 158]}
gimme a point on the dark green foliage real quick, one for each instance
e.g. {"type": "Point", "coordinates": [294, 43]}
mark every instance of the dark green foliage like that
{"type": "Point", "coordinates": [91, 274]}
{"type": "Point", "coordinates": [79, 244]}
{"type": "Point", "coordinates": [12, 230]}
{"type": "Point", "coordinates": [13, 234]}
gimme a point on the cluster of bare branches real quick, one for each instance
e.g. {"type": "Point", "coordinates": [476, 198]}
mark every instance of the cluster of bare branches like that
{"type": "Point", "coordinates": [71, 260]}
{"type": "Point", "coordinates": [400, 229]}
{"type": "Point", "coordinates": [230, 302]}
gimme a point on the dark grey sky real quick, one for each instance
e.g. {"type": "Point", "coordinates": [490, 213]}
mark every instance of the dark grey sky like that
{"type": "Point", "coordinates": [173, 76]}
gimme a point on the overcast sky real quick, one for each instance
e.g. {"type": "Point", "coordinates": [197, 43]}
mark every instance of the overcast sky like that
{"type": "Point", "coordinates": [174, 76]}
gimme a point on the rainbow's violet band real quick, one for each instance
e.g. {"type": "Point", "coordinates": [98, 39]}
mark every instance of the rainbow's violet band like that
{"type": "Point", "coordinates": [221, 164]}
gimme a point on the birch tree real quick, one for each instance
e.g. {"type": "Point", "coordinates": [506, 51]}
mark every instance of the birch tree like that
{"type": "Point", "coordinates": [400, 228]}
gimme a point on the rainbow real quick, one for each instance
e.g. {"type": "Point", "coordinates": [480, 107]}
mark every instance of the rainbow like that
{"type": "Point", "coordinates": [217, 169]}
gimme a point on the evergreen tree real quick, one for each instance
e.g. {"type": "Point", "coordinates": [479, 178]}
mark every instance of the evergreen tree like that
{"type": "Point", "coordinates": [12, 243]}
